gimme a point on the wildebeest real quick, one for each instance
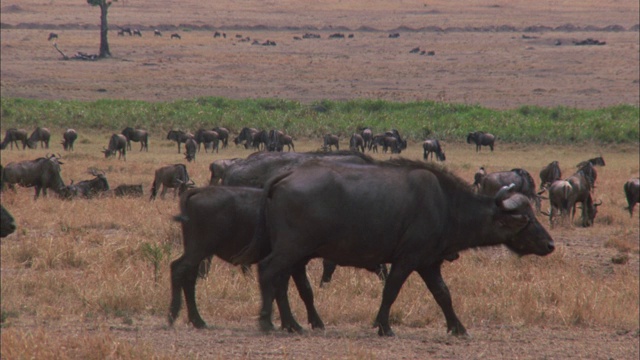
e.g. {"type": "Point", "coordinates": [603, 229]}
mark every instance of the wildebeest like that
{"type": "Point", "coordinates": [367, 136]}
{"type": "Point", "coordinates": [7, 222]}
{"type": "Point", "coordinates": [12, 136]}
{"type": "Point", "coordinates": [39, 135]}
{"type": "Point", "coordinates": [205, 137]}
{"type": "Point", "coordinates": [117, 143]}
{"type": "Point", "coordinates": [128, 190]}
{"type": "Point", "coordinates": [137, 32]}
{"type": "Point", "coordinates": [632, 193]}
{"type": "Point", "coordinates": [274, 140]}
{"type": "Point", "coordinates": [137, 135]}
{"type": "Point", "coordinates": [331, 140]}
{"type": "Point", "coordinates": [246, 136]}
{"type": "Point", "coordinates": [220, 221]}
{"type": "Point", "coordinates": [524, 184]}
{"type": "Point", "coordinates": [87, 188]}
{"type": "Point", "coordinates": [41, 173]}
{"type": "Point", "coordinates": [477, 178]}
{"type": "Point", "coordinates": [356, 143]}
{"type": "Point", "coordinates": [430, 147]}
{"type": "Point", "coordinates": [260, 140]}
{"type": "Point", "coordinates": [596, 161]}
{"type": "Point", "coordinates": [179, 137]}
{"type": "Point", "coordinates": [582, 183]}
{"type": "Point", "coordinates": [176, 36]}
{"type": "Point", "coordinates": [223, 135]}
{"type": "Point", "coordinates": [52, 35]}
{"type": "Point", "coordinates": [218, 167]}
{"type": "Point", "coordinates": [430, 215]}
{"type": "Point", "coordinates": [190, 147]}
{"type": "Point", "coordinates": [559, 198]}
{"type": "Point", "coordinates": [171, 176]}
{"type": "Point", "coordinates": [157, 32]}
{"type": "Point", "coordinates": [69, 137]}
{"type": "Point", "coordinates": [549, 174]}
{"type": "Point", "coordinates": [401, 143]}
{"type": "Point", "coordinates": [481, 138]}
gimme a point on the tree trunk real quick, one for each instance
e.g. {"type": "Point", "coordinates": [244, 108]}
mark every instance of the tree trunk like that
{"type": "Point", "coordinates": [104, 30]}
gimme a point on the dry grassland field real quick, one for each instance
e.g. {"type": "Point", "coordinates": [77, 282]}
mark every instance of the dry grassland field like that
{"type": "Point", "coordinates": [89, 279]}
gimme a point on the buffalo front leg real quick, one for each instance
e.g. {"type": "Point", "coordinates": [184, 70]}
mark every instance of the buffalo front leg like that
{"type": "Point", "coordinates": [397, 276]}
{"type": "Point", "coordinates": [306, 294]}
{"type": "Point", "coordinates": [289, 323]}
{"type": "Point", "coordinates": [189, 288]}
{"type": "Point", "coordinates": [432, 276]}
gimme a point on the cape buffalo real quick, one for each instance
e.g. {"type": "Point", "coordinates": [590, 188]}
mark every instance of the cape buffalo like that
{"type": "Point", "coordinates": [7, 223]}
{"type": "Point", "coordinates": [632, 193]}
{"type": "Point", "coordinates": [220, 221]}
{"type": "Point", "coordinates": [69, 137]}
{"type": "Point", "coordinates": [523, 181]}
{"type": "Point", "coordinates": [171, 176]}
{"type": "Point", "coordinates": [137, 135]}
{"type": "Point", "coordinates": [87, 188]}
{"type": "Point", "coordinates": [179, 137]}
{"type": "Point", "coordinates": [331, 140]}
{"type": "Point", "coordinates": [356, 143]}
{"type": "Point", "coordinates": [12, 136]}
{"type": "Point", "coordinates": [430, 215]}
{"type": "Point", "coordinates": [41, 135]}
{"type": "Point", "coordinates": [117, 143]}
{"type": "Point", "coordinates": [481, 138]}
{"type": "Point", "coordinates": [549, 174]}
{"type": "Point", "coordinates": [430, 147]}
{"type": "Point", "coordinates": [41, 173]}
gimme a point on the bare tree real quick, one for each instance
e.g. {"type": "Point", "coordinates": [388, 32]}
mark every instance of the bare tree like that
{"type": "Point", "coordinates": [104, 27]}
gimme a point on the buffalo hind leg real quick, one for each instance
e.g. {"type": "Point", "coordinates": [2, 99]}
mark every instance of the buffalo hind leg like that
{"type": "Point", "coordinates": [432, 276]}
{"type": "Point", "coordinates": [184, 276]}
{"type": "Point", "coordinates": [397, 276]}
{"type": "Point", "coordinates": [328, 268]}
{"type": "Point", "coordinates": [288, 322]}
{"type": "Point", "coordinates": [301, 280]}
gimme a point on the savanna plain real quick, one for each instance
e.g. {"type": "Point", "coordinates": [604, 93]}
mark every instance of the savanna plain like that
{"type": "Point", "coordinates": [89, 279]}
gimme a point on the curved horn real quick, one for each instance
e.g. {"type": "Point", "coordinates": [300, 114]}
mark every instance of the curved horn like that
{"type": "Point", "coordinates": [598, 203]}
{"type": "Point", "coordinates": [504, 190]}
{"type": "Point", "coordinates": [545, 213]}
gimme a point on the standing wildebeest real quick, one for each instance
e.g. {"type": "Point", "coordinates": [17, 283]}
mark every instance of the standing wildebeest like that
{"type": "Point", "coordinates": [597, 161]}
{"type": "Point", "coordinates": [87, 188]}
{"type": "Point", "coordinates": [41, 135]}
{"type": "Point", "coordinates": [432, 146]}
{"type": "Point", "coordinates": [245, 137]}
{"type": "Point", "coordinates": [287, 140]}
{"type": "Point", "coordinates": [430, 215]}
{"type": "Point", "coordinates": [274, 140]}
{"type": "Point", "coordinates": [481, 138]}
{"type": "Point", "coordinates": [524, 184]}
{"type": "Point", "coordinates": [137, 135]}
{"type": "Point", "coordinates": [582, 183]}
{"type": "Point", "coordinates": [223, 135]}
{"type": "Point", "coordinates": [477, 178]}
{"type": "Point", "coordinates": [171, 176]}
{"type": "Point", "coordinates": [220, 221]}
{"type": "Point", "coordinates": [559, 198]}
{"type": "Point", "coordinates": [69, 137]}
{"type": "Point", "coordinates": [7, 223]}
{"type": "Point", "coordinates": [52, 35]}
{"type": "Point", "coordinates": [12, 136]}
{"type": "Point", "coordinates": [117, 143]}
{"type": "Point", "coordinates": [356, 143]}
{"type": "Point", "coordinates": [331, 140]}
{"type": "Point", "coordinates": [179, 136]}
{"type": "Point", "coordinates": [190, 147]}
{"type": "Point", "coordinates": [207, 137]}
{"type": "Point", "coordinates": [632, 193]}
{"type": "Point", "coordinates": [218, 168]}
{"type": "Point", "coordinates": [367, 136]}
{"type": "Point", "coordinates": [401, 143]}
{"type": "Point", "coordinates": [41, 173]}
{"type": "Point", "coordinates": [549, 174]}
{"type": "Point", "coordinates": [128, 190]}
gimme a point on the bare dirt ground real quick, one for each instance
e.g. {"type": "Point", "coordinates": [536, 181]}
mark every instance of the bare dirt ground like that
{"type": "Point", "coordinates": [486, 52]}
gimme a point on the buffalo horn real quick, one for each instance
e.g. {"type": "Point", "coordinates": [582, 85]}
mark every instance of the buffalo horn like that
{"type": "Point", "coordinates": [598, 203]}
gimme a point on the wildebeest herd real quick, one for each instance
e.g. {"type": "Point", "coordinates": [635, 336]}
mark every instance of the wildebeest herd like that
{"type": "Point", "coordinates": [281, 209]}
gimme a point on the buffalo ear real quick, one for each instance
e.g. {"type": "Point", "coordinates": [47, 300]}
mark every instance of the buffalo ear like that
{"type": "Point", "coordinates": [513, 221]}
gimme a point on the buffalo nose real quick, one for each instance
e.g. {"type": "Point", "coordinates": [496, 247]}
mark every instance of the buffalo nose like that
{"type": "Point", "coordinates": [551, 246]}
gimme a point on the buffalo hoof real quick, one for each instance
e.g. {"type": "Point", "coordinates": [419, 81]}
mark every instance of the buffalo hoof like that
{"type": "Point", "coordinates": [459, 331]}
{"type": "Point", "coordinates": [385, 330]}
{"type": "Point", "coordinates": [292, 327]}
{"type": "Point", "coordinates": [317, 324]}
{"type": "Point", "coordinates": [199, 324]}
{"type": "Point", "coordinates": [265, 325]}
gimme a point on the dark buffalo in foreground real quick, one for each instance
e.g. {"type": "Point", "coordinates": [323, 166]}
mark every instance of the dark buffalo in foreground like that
{"type": "Point", "coordinates": [126, 190]}
{"type": "Point", "coordinates": [137, 135]}
{"type": "Point", "coordinates": [632, 193]}
{"type": "Point", "coordinates": [42, 173]}
{"type": "Point", "coordinates": [524, 184]}
{"type": "Point", "coordinates": [12, 136]}
{"type": "Point", "coordinates": [429, 216]}
{"type": "Point", "coordinates": [39, 135]}
{"type": "Point", "coordinates": [7, 223]}
{"type": "Point", "coordinates": [117, 143]}
{"type": "Point", "coordinates": [87, 188]}
{"type": "Point", "coordinates": [481, 138]}
{"type": "Point", "coordinates": [430, 147]}
{"type": "Point", "coordinates": [220, 220]}
{"type": "Point", "coordinates": [549, 174]}
{"type": "Point", "coordinates": [171, 176]}
{"type": "Point", "coordinates": [179, 136]}
{"type": "Point", "coordinates": [68, 138]}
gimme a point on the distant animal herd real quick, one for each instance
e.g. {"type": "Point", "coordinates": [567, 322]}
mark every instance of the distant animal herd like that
{"type": "Point", "coordinates": [310, 196]}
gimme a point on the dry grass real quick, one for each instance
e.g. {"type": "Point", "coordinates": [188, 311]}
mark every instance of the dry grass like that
{"type": "Point", "coordinates": [84, 261]}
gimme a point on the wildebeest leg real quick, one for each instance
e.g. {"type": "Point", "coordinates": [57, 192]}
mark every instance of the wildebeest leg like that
{"type": "Point", "coordinates": [301, 280]}
{"type": "Point", "coordinates": [433, 278]}
{"type": "Point", "coordinates": [328, 268]}
{"type": "Point", "coordinates": [397, 277]}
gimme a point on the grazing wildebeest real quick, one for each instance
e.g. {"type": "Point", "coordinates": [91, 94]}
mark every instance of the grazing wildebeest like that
{"type": "Point", "coordinates": [356, 143]}
{"type": "Point", "coordinates": [477, 178]}
{"type": "Point", "coordinates": [524, 184]}
{"type": "Point", "coordinates": [190, 147]}
{"type": "Point", "coordinates": [430, 215]}
{"type": "Point", "coordinates": [69, 137]}
{"type": "Point", "coordinates": [377, 139]}
{"type": "Point", "coordinates": [549, 174]}
{"type": "Point", "coordinates": [7, 222]}
{"type": "Point", "coordinates": [12, 136]}
{"type": "Point", "coordinates": [179, 137]}
{"type": "Point", "coordinates": [128, 190]}
{"type": "Point", "coordinates": [220, 221]}
{"type": "Point", "coordinates": [218, 167]}
{"type": "Point", "coordinates": [260, 140]}
{"type": "Point", "coordinates": [582, 183]}
{"type": "Point", "coordinates": [137, 135]}
{"type": "Point", "coordinates": [41, 173]}
{"type": "Point", "coordinates": [274, 142]}
{"type": "Point", "coordinates": [157, 32]}
{"type": "Point", "coordinates": [87, 188]}
{"type": "Point", "coordinates": [223, 135]}
{"type": "Point", "coordinates": [52, 35]}
{"type": "Point", "coordinates": [401, 143]}
{"type": "Point", "coordinates": [331, 140]}
{"type": "Point", "coordinates": [117, 143]}
{"type": "Point", "coordinates": [559, 197]}
{"type": "Point", "coordinates": [481, 138]}
{"type": "Point", "coordinates": [41, 135]}
{"type": "Point", "coordinates": [207, 137]}
{"type": "Point", "coordinates": [430, 147]}
{"type": "Point", "coordinates": [246, 136]}
{"type": "Point", "coordinates": [176, 36]}
{"type": "Point", "coordinates": [367, 136]}
{"type": "Point", "coordinates": [632, 193]}
{"type": "Point", "coordinates": [171, 176]}
{"type": "Point", "coordinates": [126, 30]}
{"type": "Point", "coordinates": [137, 32]}
{"type": "Point", "coordinates": [597, 161]}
